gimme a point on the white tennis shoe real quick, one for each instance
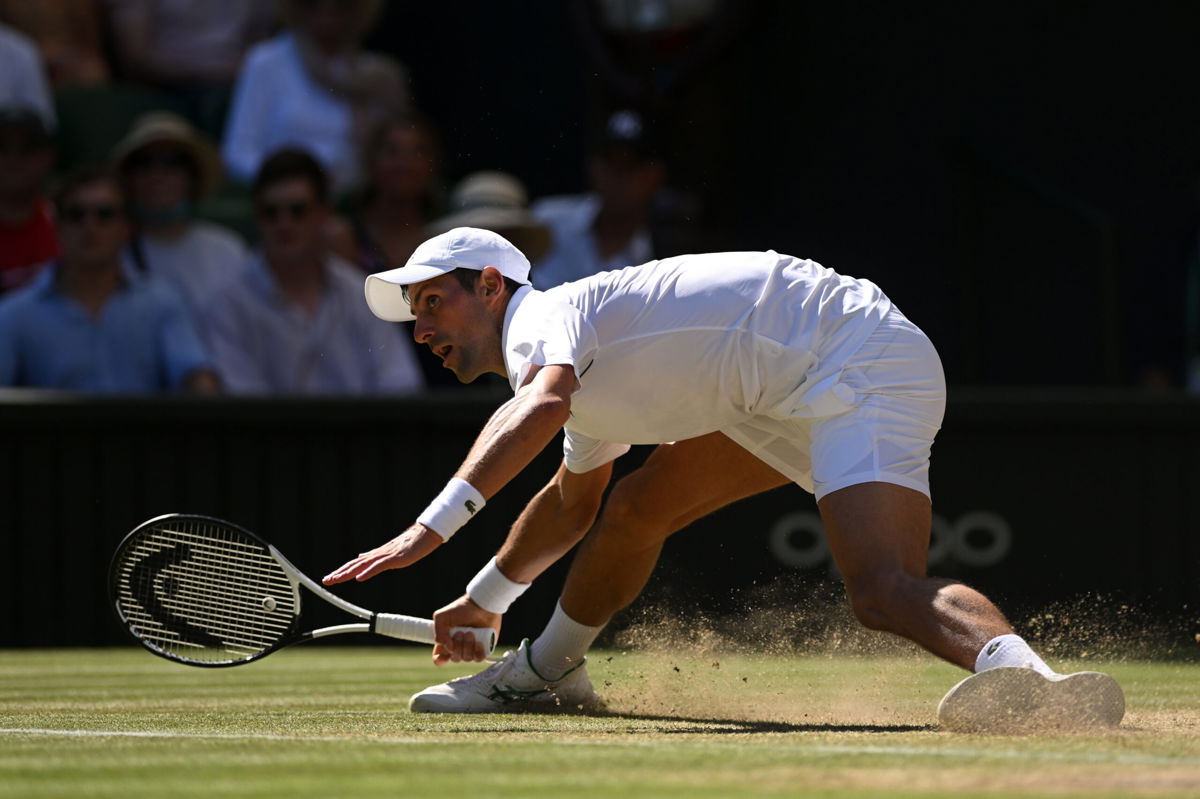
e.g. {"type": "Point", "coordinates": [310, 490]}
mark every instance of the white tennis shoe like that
{"type": "Point", "coordinates": [510, 685]}
{"type": "Point", "coordinates": [1007, 700]}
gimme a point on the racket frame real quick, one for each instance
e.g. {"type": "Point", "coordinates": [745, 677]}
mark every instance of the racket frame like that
{"type": "Point", "coordinates": [394, 625]}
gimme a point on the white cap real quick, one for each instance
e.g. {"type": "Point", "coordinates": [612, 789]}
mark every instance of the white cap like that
{"type": "Point", "coordinates": [460, 248]}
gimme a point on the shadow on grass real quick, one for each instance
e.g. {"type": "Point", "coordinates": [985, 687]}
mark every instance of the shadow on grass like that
{"type": "Point", "coordinates": [750, 727]}
{"type": "Point", "coordinates": [690, 725]}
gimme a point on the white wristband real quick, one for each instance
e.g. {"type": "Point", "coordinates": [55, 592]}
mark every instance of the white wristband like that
{"type": "Point", "coordinates": [492, 591]}
{"type": "Point", "coordinates": [452, 508]}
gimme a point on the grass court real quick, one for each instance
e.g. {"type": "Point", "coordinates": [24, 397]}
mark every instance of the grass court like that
{"type": "Point", "coordinates": [325, 721]}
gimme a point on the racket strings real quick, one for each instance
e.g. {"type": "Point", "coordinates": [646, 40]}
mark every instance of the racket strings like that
{"type": "Point", "coordinates": [204, 592]}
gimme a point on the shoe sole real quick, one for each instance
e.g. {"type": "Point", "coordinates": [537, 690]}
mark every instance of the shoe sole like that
{"type": "Point", "coordinates": [1015, 701]}
{"type": "Point", "coordinates": [431, 703]}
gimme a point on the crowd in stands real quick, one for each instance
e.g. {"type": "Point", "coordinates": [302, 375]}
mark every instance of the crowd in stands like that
{"type": "Point", "coordinates": [265, 164]}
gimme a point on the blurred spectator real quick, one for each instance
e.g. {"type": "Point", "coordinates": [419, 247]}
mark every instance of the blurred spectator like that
{"type": "Point", "coordinates": [82, 326]}
{"type": "Point", "coordinates": [626, 219]}
{"type": "Point", "coordinates": [669, 58]}
{"type": "Point", "coordinates": [193, 50]}
{"type": "Point", "coordinates": [388, 218]}
{"type": "Point", "coordinates": [295, 321]}
{"type": "Point", "coordinates": [399, 197]}
{"type": "Point", "coordinates": [67, 33]}
{"type": "Point", "coordinates": [27, 238]}
{"type": "Point", "coordinates": [168, 168]}
{"type": "Point", "coordinates": [313, 87]}
{"type": "Point", "coordinates": [22, 77]}
{"type": "Point", "coordinates": [496, 201]}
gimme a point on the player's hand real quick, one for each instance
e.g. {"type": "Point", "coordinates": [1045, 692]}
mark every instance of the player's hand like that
{"type": "Point", "coordinates": [404, 550]}
{"type": "Point", "coordinates": [461, 647]}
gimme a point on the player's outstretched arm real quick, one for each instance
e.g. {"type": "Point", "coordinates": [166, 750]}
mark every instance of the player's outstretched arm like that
{"type": "Point", "coordinates": [512, 437]}
{"type": "Point", "coordinates": [405, 549]}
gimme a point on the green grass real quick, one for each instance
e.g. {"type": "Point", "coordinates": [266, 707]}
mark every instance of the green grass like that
{"type": "Point", "coordinates": [331, 722]}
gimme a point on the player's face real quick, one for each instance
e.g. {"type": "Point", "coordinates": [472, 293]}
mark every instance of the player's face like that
{"type": "Point", "coordinates": [460, 326]}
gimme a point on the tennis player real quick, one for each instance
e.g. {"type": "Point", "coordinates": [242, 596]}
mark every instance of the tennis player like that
{"type": "Point", "coordinates": [749, 370]}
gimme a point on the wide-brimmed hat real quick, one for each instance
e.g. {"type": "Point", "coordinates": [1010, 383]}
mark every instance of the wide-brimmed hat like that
{"type": "Point", "coordinates": [496, 201]}
{"type": "Point", "coordinates": [163, 127]}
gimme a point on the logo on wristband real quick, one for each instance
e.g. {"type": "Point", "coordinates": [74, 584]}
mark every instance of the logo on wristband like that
{"type": "Point", "coordinates": [470, 505]}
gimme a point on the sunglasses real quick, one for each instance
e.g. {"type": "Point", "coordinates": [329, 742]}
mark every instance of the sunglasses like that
{"type": "Point", "coordinates": [164, 159]}
{"type": "Point", "coordinates": [271, 212]}
{"type": "Point", "coordinates": [76, 214]}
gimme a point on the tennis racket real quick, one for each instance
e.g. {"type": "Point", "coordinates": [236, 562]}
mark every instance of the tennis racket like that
{"type": "Point", "coordinates": [205, 592]}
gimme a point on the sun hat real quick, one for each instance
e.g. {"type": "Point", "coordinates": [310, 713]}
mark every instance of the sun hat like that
{"type": "Point", "coordinates": [496, 201]}
{"type": "Point", "coordinates": [163, 127]}
{"type": "Point", "coordinates": [460, 248]}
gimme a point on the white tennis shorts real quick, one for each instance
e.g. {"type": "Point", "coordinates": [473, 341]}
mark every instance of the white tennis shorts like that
{"type": "Point", "coordinates": [875, 424]}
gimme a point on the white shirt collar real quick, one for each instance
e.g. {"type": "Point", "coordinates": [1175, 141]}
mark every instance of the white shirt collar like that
{"type": "Point", "coordinates": [517, 298]}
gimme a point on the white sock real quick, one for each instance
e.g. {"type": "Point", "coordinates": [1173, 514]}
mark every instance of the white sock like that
{"type": "Point", "coordinates": [1010, 650]}
{"type": "Point", "coordinates": [562, 645]}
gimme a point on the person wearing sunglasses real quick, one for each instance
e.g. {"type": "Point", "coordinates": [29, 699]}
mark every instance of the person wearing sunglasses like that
{"type": "Point", "coordinates": [83, 325]}
{"type": "Point", "coordinates": [294, 321]}
{"type": "Point", "coordinates": [169, 168]}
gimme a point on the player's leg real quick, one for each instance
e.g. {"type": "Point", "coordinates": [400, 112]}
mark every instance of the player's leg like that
{"type": "Point", "coordinates": [870, 475]}
{"type": "Point", "coordinates": [878, 533]}
{"type": "Point", "coordinates": [678, 484]}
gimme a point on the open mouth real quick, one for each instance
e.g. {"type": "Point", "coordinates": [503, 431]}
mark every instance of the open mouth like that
{"type": "Point", "coordinates": [443, 352]}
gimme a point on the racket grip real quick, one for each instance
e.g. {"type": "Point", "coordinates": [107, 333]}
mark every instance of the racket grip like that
{"type": "Point", "coordinates": [411, 628]}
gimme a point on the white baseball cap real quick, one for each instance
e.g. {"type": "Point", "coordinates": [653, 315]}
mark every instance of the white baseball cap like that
{"type": "Point", "coordinates": [460, 248]}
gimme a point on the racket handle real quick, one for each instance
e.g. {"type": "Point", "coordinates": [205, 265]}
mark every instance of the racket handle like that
{"type": "Point", "coordinates": [410, 628]}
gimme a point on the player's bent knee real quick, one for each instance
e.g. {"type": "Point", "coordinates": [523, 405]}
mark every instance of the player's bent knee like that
{"type": "Point", "coordinates": [874, 600]}
{"type": "Point", "coordinates": [634, 513]}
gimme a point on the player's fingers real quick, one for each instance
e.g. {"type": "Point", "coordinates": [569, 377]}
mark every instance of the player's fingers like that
{"type": "Point", "coordinates": [341, 574]}
{"type": "Point", "coordinates": [466, 647]}
{"type": "Point", "coordinates": [441, 631]}
{"type": "Point", "coordinates": [373, 566]}
{"type": "Point", "coordinates": [440, 655]}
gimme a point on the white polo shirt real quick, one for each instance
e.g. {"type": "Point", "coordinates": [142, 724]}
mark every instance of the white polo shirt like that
{"type": "Point", "coordinates": [683, 347]}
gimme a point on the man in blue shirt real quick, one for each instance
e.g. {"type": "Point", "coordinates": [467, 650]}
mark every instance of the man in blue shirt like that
{"type": "Point", "coordinates": [294, 321]}
{"type": "Point", "coordinates": [82, 325]}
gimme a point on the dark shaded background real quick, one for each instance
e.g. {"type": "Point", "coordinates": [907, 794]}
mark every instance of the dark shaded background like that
{"type": "Point", "coordinates": [1020, 178]}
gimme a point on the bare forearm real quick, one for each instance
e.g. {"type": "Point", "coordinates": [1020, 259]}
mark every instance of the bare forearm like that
{"type": "Point", "coordinates": [512, 437]}
{"type": "Point", "coordinates": [541, 535]}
